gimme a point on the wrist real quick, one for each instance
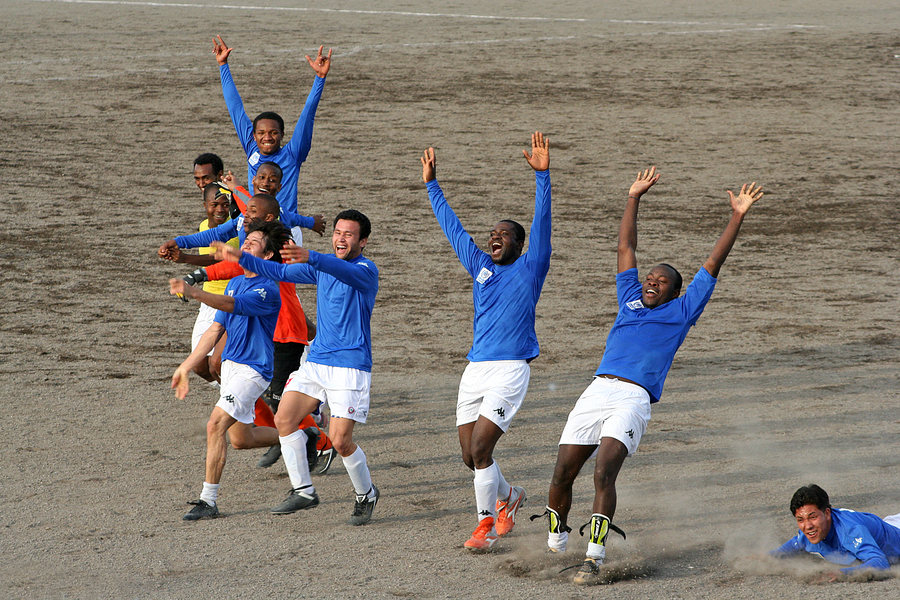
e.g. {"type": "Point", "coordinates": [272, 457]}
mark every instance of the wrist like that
{"type": "Point", "coordinates": [634, 196]}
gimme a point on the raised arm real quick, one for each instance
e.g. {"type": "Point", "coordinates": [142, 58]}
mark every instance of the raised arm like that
{"type": "Point", "coordinates": [301, 139]}
{"type": "Point", "coordinates": [539, 248]}
{"type": "Point", "coordinates": [243, 126]}
{"type": "Point", "coordinates": [740, 204]}
{"type": "Point", "coordinates": [465, 247]}
{"type": "Point", "coordinates": [626, 257]}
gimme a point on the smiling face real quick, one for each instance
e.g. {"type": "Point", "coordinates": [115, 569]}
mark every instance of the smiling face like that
{"type": "Point", "coordinates": [267, 180]}
{"type": "Point", "coordinates": [255, 245]}
{"type": "Point", "coordinates": [345, 240]}
{"type": "Point", "coordinates": [659, 287]}
{"type": "Point", "coordinates": [204, 175]}
{"type": "Point", "coordinates": [259, 209]}
{"type": "Point", "coordinates": [216, 209]}
{"type": "Point", "coordinates": [503, 246]}
{"type": "Point", "coordinates": [814, 522]}
{"type": "Point", "coordinates": [268, 136]}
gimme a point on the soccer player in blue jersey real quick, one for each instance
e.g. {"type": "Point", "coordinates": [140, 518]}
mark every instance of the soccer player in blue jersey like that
{"type": "Point", "coordinates": [612, 414]}
{"type": "Point", "coordinates": [338, 369]}
{"type": "Point", "coordinates": [840, 535]}
{"type": "Point", "coordinates": [506, 288]}
{"type": "Point", "coordinates": [247, 313]}
{"type": "Point", "coordinates": [262, 137]}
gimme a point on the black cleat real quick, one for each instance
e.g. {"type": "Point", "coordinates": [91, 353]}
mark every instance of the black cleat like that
{"type": "Point", "coordinates": [312, 454]}
{"type": "Point", "coordinates": [362, 510]}
{"type": "Point", "coordinates": [201, 510]}
{"type": "Point", "coordinates": [270, 457]}
{"type": "Point", "coordinates": [296, 500]}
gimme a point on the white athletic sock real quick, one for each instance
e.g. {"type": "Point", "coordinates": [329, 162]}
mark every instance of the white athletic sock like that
{"type": "Point", "coordinates": [503, 487]}
{"type": "Point", "coordinates": [596, 551]}
{"type": "Point", "coordinates": [358, 470]}
{"type": "Point", "coordinates": [210, 493]}
{"type": "Point", "coordinates": [486, 491]}
{"type": "Point", "coordinates": [558, 541]}
{"type": "Point", "coordinates": [293, 450]}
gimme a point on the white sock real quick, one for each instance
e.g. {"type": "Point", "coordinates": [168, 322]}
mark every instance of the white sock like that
{"type": "Point", "coordinates": [558, 541]}
{"type": "Point", "coordinates": [210, 493]}
{"type": "Point", "coordinates": [293, 450]}
{"type": "Point", "coordinates": [596, 551]}
{"type": "Point", "coordinates": [486, 481]}
{"type": "Point", "coordinates": [503, 487]}
{"type": "Point", "coordinates": [358, 470]}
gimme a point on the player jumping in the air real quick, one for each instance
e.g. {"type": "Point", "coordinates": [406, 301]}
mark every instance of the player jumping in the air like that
{"type": "Point", "coordinates": [247, 312]}
{"type": "Point", "coordinates": [338, 369]}
{"type": "Point", "coordinates": [612, 414]}
{"type": "Point", "coordinates": [506, 288]}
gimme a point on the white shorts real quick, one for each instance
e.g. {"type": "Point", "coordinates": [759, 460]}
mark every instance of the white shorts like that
{"type": "Point", "coordinates": [205, 317]}
{"type": "Point", "coordinates": [241, 386]}
{"type": "Point", "coordinates": [345, 390]}
{"type": "Point", "coordinates": [608, 408]}
{"type": "Point", "coordinates": [492, 389]}
{"type": "Point", "coordinates": [893, 520]}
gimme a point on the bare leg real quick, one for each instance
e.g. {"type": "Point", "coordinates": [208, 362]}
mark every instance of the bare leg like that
{"type": "Point", "coordinates": [216, 447]}
{"type": "Point", "coordinates": [610, 458]}
{"type": "Point", "coordinates": [569, 460]}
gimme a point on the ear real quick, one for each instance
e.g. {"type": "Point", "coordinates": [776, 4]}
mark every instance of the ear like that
{"type": "Point", "coordinates": [270, 217]}
{"type": "Point", "coordinates": [363, 242]}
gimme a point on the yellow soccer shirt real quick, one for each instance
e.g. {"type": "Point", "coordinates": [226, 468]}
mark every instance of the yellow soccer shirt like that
{"type": "Point", "coordinates": [215, 287]}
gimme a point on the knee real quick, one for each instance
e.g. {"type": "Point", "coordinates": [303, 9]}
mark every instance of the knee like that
{"type": "Point", "coordinates": [215, 427]}
{"type": "Point", "coordinates": [480, 454]}
{"type": "Point", "coordinates": [343, 444]}
{"type": "Point", "coordinates": [468, 460]}
{"type": "Point", "coordinates": [284, 424]}
{"type": "Point", "coordinates": [563, 475]}
{"type": "Point", "coordinates": [604, 477]}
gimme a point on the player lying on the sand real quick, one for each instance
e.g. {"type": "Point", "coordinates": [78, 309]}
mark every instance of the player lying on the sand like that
{"type": "Point", "coordinates": [262, 137]}
{"type": "Point", "coordinates": [612, 414]}
{"type": "Point", "coordinates": [506, 287]}
{"type": "Point", "coordinates": [840, 535]}
{"type": "Point", "coordinates": [247, 312]}
{"type": "Point", "coordinates": [338, 369]}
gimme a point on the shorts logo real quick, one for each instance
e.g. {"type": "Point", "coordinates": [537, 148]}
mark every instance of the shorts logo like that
{"type": "Point", "coordinates": [254, 159]}
{"type": "Point", "coordinates": [261, 292]}
{"type": "Point", "coordinates": [229, 398]}
{"type": "Point", "coordinates": [630, 433]}
{"type": "Point", "coordinates": [484, 275]}
{"type": "Point", "coordinates": [351, 410]}
{"type": "Point", "coordinates": [635, 304]}
{"type": "Point", "coordinates": [500, 412]}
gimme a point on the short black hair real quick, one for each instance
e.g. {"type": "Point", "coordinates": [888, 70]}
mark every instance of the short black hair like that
{"type": "Point", "coordinates": [518, 229]}
{"type": "Point", "coordinates": [208, 158]}
{"type": "Point", "coordinates": [276, 235]}
{"type": "Point", "coordinates": [269, 204]}
{"type": "Point", "coordinates": [365, 226]}
{"type": "Point", "coordinates": [217, 188]}
{"type": "Point", "coordinates": [274, 165]}
{"type": "Point", "coordinates": [676, 283]}
{"type": "Point", "coordinates": [269, 115]}
{"type": "Point", "coordinates": [809, 494]}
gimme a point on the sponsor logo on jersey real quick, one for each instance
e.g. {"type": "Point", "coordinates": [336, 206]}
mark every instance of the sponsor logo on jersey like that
{"type": "Point", "coordinates": [484, 275]}
{"type": "Point", "coordinates": [254, 159]}
{"type": "Point", "coordinates": [635, 304]}
{"type": "Point", "coordinates": [261, 292]}
{"type": "Point", "coordinates": [857, 542]}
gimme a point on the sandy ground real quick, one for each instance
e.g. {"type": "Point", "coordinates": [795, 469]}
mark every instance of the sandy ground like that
{"type": "Point", "coordinates": [789, 377]}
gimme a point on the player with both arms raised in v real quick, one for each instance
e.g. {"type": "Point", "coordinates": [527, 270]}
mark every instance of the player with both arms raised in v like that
{"type": "Point", "coordinates": [611, 415]}
{"type": "Point", "coordinates": [505, 292]}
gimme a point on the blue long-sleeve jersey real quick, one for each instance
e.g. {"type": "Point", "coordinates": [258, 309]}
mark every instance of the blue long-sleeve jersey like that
{"type": "Point", "coordinates": [289, 157]}
{"type": "Point", "coordinates": [505, 296]}
{"type": "Point", "coordinates": [854, 536]}
{"type": "Point", "coordinates": [345, 297]}
{"type": "Point", "coordinates": [222, 233]}
{"type": "Point", "coordinates": [251, 325]}
{"type": "Point", "coordinates": [643, 341]}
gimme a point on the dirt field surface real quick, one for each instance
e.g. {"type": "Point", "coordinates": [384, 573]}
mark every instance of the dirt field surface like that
{"type": "Point", "coordinates": [789, 377]}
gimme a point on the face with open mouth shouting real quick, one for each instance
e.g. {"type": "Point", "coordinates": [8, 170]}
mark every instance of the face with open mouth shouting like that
{"type": "Point", "coordinates": [658, 287]}
{"type": "Point", "coordinates": [814, 522]}
{"type": "Point", "coordinates": [345, 239]}
{"type": "Point", "coordinates": [502, 244]}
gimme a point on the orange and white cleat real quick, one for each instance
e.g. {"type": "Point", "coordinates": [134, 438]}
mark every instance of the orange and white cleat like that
{"type": "Point", "coordinates": [507, 510]}
{"type": "Point", "coordinates": [484, 536]}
